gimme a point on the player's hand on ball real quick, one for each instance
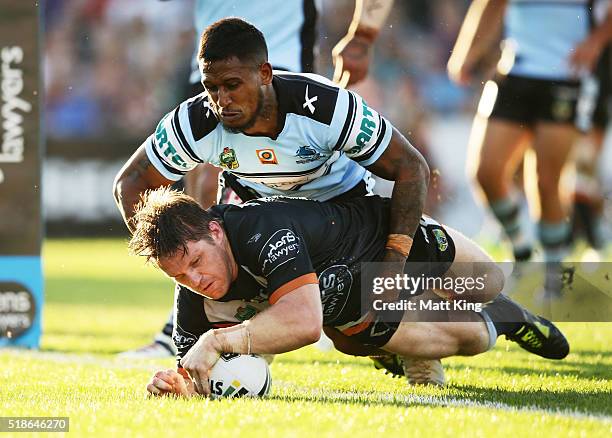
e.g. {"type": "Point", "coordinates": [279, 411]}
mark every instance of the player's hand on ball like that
{"type": "Point", "coordinates": [200, 359]}
{"type": "Point", "coordinates": [170, 382]}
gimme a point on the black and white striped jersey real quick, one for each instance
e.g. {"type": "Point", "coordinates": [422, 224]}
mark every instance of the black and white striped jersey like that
{"type": "Point", "coordinates": [329, 136]}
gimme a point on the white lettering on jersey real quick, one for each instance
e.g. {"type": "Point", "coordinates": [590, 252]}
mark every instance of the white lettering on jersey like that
{"type": "Point", "coordinates": [309, 101]}
{"type": "Point", "coordinates": [282, 247]}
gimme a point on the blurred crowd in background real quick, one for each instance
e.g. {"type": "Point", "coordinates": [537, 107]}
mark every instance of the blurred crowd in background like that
{"type": "Point", "coordinates": [112, 68]}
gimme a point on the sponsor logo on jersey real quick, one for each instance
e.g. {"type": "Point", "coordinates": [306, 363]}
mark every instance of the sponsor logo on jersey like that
{"type": "Point", "coordinates": [335, 283]}
{"type": "Point", "coordinates": [366, 129]}
{"type": "Point", "coordinates": [166, 147]}
{"type": "Point", "coordinates": [309, 102]}
{"type": "Point", "coordinates": [281, 248]}
{"type": "Point", "coordinates": [440, 238]}
{"type": "Point", "coordinates": [183, 340]}
{"type": "Point", "coordinates": [266, 156]}
{"type": "Point", "coordinates": [306, 154]}
{"type": "Point", "coordinates": [228, 159]}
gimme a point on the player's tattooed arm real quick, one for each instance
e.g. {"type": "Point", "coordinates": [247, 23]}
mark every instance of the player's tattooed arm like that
{"type": "Point", "coordinates": [402, 163]}
{"type": "Point", "coordinates": [134, 178]}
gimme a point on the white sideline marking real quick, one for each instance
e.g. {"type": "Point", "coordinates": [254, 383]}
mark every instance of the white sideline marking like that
{"type": "Point", "coordinates": [425, 400]}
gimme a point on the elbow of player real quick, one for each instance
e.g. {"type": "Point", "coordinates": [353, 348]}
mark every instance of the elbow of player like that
{"type": "Point", "coordinates": [414, 168]}
{"type": "Point", "coordinates": [312, 335]}
{"type": "Point", "coordinates": [311, 328]}
{"type": "Point", "coordinates": [424, 168]}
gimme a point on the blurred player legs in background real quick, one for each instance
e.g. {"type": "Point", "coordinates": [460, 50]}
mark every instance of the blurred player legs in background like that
{"type": "Point", "coordinates": [532, 101]}
{"type": "Point", "coordinates": [587, 218]}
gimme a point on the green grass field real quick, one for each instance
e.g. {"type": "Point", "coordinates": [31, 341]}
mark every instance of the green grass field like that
{"type": "Point", "coordinates": [100, 302]}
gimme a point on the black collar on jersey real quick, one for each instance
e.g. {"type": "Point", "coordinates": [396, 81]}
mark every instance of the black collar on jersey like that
{"type": "Point", "coordinates": [282, 102]}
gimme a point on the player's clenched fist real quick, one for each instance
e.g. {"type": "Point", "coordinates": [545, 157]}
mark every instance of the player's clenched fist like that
{"type": "Point", "coordinates": [200, 359]}
{"type": "Point", "coordinates": [170, 382]}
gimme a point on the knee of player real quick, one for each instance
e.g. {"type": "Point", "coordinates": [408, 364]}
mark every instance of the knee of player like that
{"type": "Point", "coordinates": [484, 176]}
{"type": "Point", "coordinates": [495, 280]}
{"type": "Point", "coordinates": [474, 339]}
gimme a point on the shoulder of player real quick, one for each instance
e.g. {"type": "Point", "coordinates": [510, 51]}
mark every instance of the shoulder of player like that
{"type": "Point", "coordinates": [197, 112]}
{"type": "Point", "coordinates": [185, 125]}
{"type": "Point", "coordinates": [306, 94]}
{"type": "Point", "coordinates": [249, 225]}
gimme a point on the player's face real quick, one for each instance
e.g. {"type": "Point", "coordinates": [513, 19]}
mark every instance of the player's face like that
{"type": "Point", "coordinates": [235, 90]}
{"type": "Point", "coordinates": [206, 268]}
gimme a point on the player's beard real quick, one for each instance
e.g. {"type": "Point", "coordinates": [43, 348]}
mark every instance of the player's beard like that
{"type": "Point", "coordinates": [263, 110]}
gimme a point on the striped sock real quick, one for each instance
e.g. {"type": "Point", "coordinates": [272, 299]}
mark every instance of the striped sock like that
{"type": "Point", "coordinates": [555, 238]}
{"type": "Point", "coordinates": [508, 212]}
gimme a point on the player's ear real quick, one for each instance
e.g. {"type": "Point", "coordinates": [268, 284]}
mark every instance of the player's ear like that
{"type": "Point", "coordinates": [216, 231]}
{"type": "Point", "coordinates": [265, 73]}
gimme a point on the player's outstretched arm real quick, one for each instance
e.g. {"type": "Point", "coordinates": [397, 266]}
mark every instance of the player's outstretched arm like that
{"type": "Point", "coordinates": [134, 178]}
{"type": "Point", "coordinates": [402, 163]}
{"type": "Point", "coordinates": [295, 320]}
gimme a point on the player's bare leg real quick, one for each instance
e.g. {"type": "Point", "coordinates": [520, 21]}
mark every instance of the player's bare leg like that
{"type": "Point", "coordinates": [471, 261]}
{"type": "Point", "coordinates": [552, 144]}
{"type": "Point", "coordinates": [497, 147]}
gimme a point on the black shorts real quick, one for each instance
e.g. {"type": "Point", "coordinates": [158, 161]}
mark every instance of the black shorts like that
{"type": "Point", "coordinates": [432, 254]}
{"type": "Point", "coordinates": [601, 115]}
{"type": "Point", "coordinates": [528, 100]}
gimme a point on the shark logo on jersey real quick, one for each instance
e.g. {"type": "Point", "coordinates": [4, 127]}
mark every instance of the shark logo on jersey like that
{"type": "Point", "coordinates": [228, 159]}
{"type": "Point", "coordinates": [309, 101]}
{"type": "Point", "coordinates": [306, 154]}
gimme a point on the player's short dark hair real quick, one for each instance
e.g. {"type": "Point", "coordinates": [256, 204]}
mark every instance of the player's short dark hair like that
{"type": "Point", "coordinates": [165, 221]}
{"type": "Point", "coordinates": [231, 37]}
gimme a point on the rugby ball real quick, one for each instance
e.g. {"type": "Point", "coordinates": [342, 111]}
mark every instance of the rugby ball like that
{"type": "Point", "coordinates": [240, 375]}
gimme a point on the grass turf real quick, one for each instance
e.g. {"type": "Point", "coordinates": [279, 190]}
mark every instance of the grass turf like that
{"type": "Point", "coordinates": [100, 302]}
